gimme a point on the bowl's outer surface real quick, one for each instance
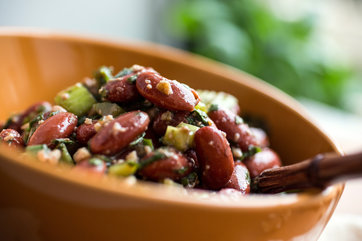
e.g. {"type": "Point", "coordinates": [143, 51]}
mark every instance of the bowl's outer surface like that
{"type": "Point", "coordinates": [38, 202]}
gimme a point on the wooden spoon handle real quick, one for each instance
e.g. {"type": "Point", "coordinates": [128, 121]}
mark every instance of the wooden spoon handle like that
{"type": "Point", "coordinates": [318, 172]}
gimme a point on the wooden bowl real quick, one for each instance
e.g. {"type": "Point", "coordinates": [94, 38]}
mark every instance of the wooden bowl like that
{"type": "Point", "coordinates": [43, 202]}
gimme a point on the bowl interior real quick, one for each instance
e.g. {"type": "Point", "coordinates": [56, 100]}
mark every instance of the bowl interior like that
{"type": "Point", "coordinates": [34, 66]}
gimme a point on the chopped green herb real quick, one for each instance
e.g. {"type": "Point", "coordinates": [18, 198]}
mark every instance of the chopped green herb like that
{"type": "Point", "coordinates": [190, 180]}
{"type": "Point", "coordinates": [198, 118]}
{"type": "Point", "coordinates": [182, 170]}
{"type": "Point", "coordinates": [214, 107]}
{"type": "Point", "coordinates": [137, 140]}
{"type": "Point", "coordinates": [252, 150]}
{"type": "Point", "coordinates": [124, 72]}
{"type": "Point", "coordinates": [155, 157]}
{"type": "Point", "coordinates": [62, 141]}
{"type": "Point", "coordinates": [132, 79]}
{"type": "Point", "coordinates": [148, 142]}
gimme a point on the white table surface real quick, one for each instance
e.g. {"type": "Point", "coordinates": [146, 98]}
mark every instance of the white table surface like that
{"type": "Point", "coordinates": [346, 130]}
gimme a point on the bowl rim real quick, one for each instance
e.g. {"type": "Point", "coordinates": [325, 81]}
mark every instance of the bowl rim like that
{"type": "Point", "coordinates": [145, 191]}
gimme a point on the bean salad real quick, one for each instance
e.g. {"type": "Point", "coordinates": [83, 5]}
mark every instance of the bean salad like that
{"type": "Point", "coordinates": [141, 124]}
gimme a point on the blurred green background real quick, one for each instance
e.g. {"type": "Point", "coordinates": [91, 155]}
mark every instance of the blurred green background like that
{"type": "Point", "coordinates": [248, 35]}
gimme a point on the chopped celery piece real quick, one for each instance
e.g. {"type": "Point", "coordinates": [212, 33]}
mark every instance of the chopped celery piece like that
{"type": "Point", "coordinates": [123, 169]}
{"type": "Point", "coordinates": [103, 75]}
{"type": "Point", "coordinates": [223, 99]}
{"type": "Point", "coordinates": [180, 137]}
{"type": "Point", "coordinates": [36, 148]}
{"type": "Point", "coordinates": [190, 127]}
{"type": "Point", "coordinates": [76, 99]}
{"type": "Point", "coordinates": [66, 157]}
{"type": "Point", "coordinates": [106, 108]}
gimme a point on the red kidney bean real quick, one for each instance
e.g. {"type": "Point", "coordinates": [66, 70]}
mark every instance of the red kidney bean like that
{"type": "Point", "coordinates": [261, 161]}
{"type": "Point", "coordinates": [11, 137]}
{"type": "Point", "coordinates": [214, 156]}
{"type": "Point", "coordinates": [260, 136]}
{"type": "Point", "coordinates": [236, 132]}
{"type": "Point", "coordinates": [168, 118]}
{"type": "Point", "coordinates": [29, 114]}
{"type": "Point", "coordinates": [60, 125]}
{"type": "Point", "coordinates": [168, 94]}
{"type": "Point", "coordinates": [120, 90]}
{"type": "Point", "coordinates": [97, 167]}
{"type": "Point", "coordinates": [231, 192]}
{"type": "Point", "coordinates": [85, 132]}
{"type": "Point", "coordinates": [173, 166]}
{"type": "Point", "coordinates": [119, 133]}
{"type": "Point", "coordinates": [240, 179]}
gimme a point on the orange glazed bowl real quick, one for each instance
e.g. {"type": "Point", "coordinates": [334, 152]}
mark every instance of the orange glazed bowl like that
{"type": "Point", "coordinates": [42, 202]}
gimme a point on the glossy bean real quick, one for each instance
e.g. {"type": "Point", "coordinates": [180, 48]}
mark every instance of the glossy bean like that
{"type": "Point", "coordinates": [214, 156]}
{"type": "Point", "coordinates": [60, 125]}
{"type": "Point", "coordinates": [11, 137]}
{"type": "Point", "coordinates": [119, 133]}
{"type": "Point", "coordinates": [85, 132]}
{"type": "Point", "coordinates": [29, 114]}
{"type": "Point", "coordinates": [165, 93]}
{"type": "Point", "coordinates": [260, 136]}
{"type": "Point", "coordinates": [173, 166]}
{"type": "Point", "coordinates": [261, 161]}
{"type": "Point", "coordinates": [240, 179]}
{"type": "Point", "coordinates": [236, 131]}
{"type": "Point", "coordinates": [120, 90]}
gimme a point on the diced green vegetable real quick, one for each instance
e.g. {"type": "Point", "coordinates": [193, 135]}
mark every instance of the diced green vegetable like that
{"type": "Point", "coordinates": [223, 99]}
{"type": "Point", "coordinates": [76, 99]}
{"type": "Point", "coordinates": [180, 137]}
{"type": "Point", "coordinates": [33, 150]}
{"type": "Point", "coordinates": [201, 106]}
{"type": "Point", "coordinates": [106, 108]}
{"type": "Point", "coordinates": [123, 169]}
{"type": "Point", "coordinates": [103, 75]}
{"type": "Point", "coordinates": [65, 157]}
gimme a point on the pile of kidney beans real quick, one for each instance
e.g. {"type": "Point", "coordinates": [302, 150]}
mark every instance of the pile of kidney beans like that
{"type": "Point", "coordinates": [224, 155]}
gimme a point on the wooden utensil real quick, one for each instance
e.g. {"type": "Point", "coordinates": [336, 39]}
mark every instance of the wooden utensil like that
{"type": "Point", "coordinates": [317, 172]}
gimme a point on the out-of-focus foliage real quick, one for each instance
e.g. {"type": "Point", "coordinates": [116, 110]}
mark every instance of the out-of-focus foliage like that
{"type": "Point", "coordinates": [247, 35]}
